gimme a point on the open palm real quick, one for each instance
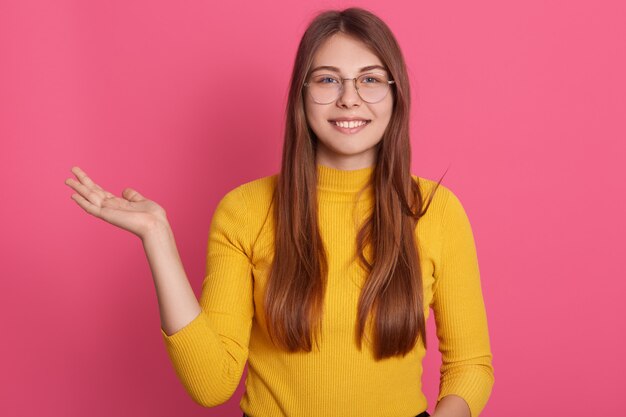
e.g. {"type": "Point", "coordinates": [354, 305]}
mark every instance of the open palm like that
{"type": "Point", "coordinates": [132, 212]}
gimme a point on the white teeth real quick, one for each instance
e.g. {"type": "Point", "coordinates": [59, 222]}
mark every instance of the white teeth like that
{"type": "Point", "coordinates": [350, 125]}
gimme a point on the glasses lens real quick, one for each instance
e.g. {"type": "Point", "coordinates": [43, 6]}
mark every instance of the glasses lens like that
{"type": "Point", "coordinates": [324, 89]}
{"type": "Point", "coordinates": [373, 87]}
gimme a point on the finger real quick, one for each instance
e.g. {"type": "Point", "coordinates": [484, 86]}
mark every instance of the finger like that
{"type": "Point", "coordinates": [86, 205]}
{"type": "Point", "coordinates": [116, 203]}
{"type": "Point", "coordinates": [108, 194]}
{"type": "Point", "coordinates": [132, 195]}
{"type": "Point", "coordinates": [105, 192]}
{"type": "Point", "coordinates": [87, 181]}
{"type": "Point", "coordinates": [84, 178]}
{"type": "Point", "coordinates": [93, 195]}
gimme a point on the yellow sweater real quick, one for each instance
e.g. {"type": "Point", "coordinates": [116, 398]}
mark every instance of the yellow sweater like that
{"type": "Point", "coordinates": [339, 380]}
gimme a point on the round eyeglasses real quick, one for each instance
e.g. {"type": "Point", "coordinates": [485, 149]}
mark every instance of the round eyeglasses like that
{"type": "Point", "coordinates": [325, 89]}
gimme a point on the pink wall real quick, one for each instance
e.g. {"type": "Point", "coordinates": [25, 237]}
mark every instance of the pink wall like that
{"type": "Point", "coordinates": [183, 101]}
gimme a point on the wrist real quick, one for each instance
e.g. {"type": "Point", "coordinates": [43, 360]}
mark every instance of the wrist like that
{"type": "Point", "coordinates": [158, 231]}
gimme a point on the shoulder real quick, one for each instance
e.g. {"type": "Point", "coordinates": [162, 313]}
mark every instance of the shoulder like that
{"type": "Point", "coordinates": [445, 212]}
{"type": "Point", "coordinates": [257, 192]}
{"type": "Point", "coordinates": [440, 193]}
{"type": "Point", "coordinates": [446, 209]}
{"type": "Point", "coordinates": [249, 201]}
{"type": "Point", "coordinates": [426, 185]}
{"type": "Point", "coordinates": [242, 211]}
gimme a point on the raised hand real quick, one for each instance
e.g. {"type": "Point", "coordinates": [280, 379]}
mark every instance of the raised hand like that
{"type": "Point", "coordinates": [132, 212]}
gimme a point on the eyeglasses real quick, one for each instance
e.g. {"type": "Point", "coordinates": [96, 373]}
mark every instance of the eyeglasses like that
{"type": "Point", "coordinates": [325, 89]}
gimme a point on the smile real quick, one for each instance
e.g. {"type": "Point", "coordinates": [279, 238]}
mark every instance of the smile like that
{"type": "Point", "coordinates": [351, 126]}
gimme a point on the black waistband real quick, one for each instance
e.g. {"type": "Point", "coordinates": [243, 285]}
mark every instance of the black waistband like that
{"type": "Point", "coordinates": [423, 414]}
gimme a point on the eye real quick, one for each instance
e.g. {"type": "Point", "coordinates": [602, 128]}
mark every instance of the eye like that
{"type": "Point", "coordinates": [372, 79]}
{"type": "Point", "coordinates": [324, 79]}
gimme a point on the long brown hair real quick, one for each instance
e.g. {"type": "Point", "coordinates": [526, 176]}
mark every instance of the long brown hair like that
{"type": "Point", "coordinates": [393, 291]}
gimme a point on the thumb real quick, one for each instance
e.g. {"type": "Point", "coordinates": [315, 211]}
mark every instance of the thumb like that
{"type": "Point", "coordinates": [132, 195]}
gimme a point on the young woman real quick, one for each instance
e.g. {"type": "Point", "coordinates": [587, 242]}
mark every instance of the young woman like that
{"type": "Point", "coordinates": [321, 276]}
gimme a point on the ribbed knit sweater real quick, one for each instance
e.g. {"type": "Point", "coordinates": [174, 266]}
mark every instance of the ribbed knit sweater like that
{"type": "Point", "coordinates": [338, 379]}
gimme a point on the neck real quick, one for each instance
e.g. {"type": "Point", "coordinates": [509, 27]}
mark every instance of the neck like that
{"type": "Point", "coordinates": [338, 182]}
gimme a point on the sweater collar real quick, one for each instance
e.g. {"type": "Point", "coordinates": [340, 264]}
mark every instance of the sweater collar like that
{"type": "Point", "coordinates": [342, 181]}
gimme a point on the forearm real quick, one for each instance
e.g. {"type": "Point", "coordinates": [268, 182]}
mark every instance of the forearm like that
{"type": "Point", "coordinates": [178, 305]}
{"type": "Point", "coordinates": [452, 406]}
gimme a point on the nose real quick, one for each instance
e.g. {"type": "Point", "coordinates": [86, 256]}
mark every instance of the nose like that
{"type": "Point", "coordinates": [348, 96]}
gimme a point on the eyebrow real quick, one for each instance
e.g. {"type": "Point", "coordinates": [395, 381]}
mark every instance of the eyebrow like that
{"type": "Point", "coordinates": [335, 69]}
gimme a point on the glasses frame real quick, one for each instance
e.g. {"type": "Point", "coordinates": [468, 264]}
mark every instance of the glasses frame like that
{"type": "Point", "coordinates": [343, 80]}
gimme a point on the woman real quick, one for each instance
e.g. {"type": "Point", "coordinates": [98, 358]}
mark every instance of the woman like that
{"type": "Point", "coordinates": [321, 276]}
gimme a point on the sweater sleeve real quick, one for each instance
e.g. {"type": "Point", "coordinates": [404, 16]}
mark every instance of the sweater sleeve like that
{"type": "Point", "coordinates": [459, 311]}
{"type": "Point", "coordinates": [210, 352]}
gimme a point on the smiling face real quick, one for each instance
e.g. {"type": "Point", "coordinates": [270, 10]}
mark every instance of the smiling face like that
{"type": "Point", "coordinates": [345, 148]}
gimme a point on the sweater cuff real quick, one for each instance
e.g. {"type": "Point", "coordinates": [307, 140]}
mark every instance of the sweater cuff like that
{"type": "Point", "coordinates": [474, 388]}
{"type": "Point", "coordinates": [188, 336]}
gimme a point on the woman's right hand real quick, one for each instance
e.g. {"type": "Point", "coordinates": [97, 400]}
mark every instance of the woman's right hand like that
{"type": "Point", "coordinates": [132, 212]}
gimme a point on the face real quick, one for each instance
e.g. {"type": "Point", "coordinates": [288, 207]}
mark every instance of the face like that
{"type": "Point", "coordinates": [338, 147]}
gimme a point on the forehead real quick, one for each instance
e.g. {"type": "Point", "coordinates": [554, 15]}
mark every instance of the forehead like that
{"type": "Point", "coordinates": [346, 53]}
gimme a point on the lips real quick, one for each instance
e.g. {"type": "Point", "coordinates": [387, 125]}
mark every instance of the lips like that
{"type": "Point", "coordinates": [351, 126]}
{"type": "Point", "coordinates": [349, 123]}
{"type": "Point", "coordinates": [349, 119]}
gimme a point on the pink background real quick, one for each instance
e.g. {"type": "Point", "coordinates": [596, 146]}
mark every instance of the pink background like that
{"type": "Point", "coordinates": [525, 102]}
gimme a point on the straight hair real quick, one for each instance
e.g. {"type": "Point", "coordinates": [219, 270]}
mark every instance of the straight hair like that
{"type": "Point", "coordinates": [392, 295]}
